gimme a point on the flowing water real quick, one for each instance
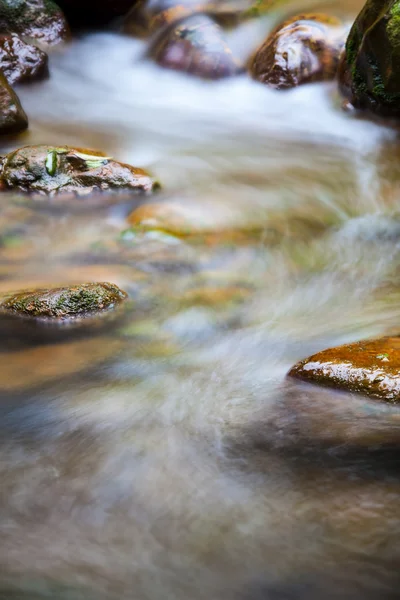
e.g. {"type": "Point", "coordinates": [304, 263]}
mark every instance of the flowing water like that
{"type": "Point", "coordinates": [166, 455]}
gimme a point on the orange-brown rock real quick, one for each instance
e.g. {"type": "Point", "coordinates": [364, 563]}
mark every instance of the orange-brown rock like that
{"type": "Point", "coordinates": [370, 367]}
{"type": "Point", "coordinates": [304, 49]}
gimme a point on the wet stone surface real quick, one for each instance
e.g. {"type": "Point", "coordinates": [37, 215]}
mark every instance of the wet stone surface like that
{"type": "Point", "coordinates": [370, 71]}
{"type": "Point", "coordinates": [83, 300]}
{"type": "Point", "coordinates": [42, 20]}
{"type": "Point", "coordinates": [369, 367]}
{"type": "Point", "coordinates": [13, 118]}
{"type": "Point", "coordinates": [304, 49]}
{"type": "Point", "coordinates": [54, 170]}
{"type": "Point", "coordinates": [21, 62]}
{"type": "Point", "coordinates": [195, 45]}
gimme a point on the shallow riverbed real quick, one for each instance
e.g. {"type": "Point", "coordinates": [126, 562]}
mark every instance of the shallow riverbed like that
{"type": "Point", "coordinates": [166, 455]}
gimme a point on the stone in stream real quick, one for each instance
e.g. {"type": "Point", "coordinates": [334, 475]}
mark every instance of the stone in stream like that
{"type": "Point", "coordinates": [304, 49]}
{"type": "Point", "coordinates": [58, 304]}
{"type": "Point", "coordinates": [195, 45]}
{"type": "Point", "coordinates": [370, 70]}
{"type": "Point", "coordinates": [21, 62]}
{"type": "Point", "coordinates": [41, 20]}
{"type": "Point", "coordinates": [54, 170]}
{"type": "Point", "coordinates": [12, 116]}
{"type": "Point", "coordinates": [369, 367]}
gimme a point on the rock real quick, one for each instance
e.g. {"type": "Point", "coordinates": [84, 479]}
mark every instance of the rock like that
{"type": "Point", "coordinates": [304, 49]}
{"type": "Point", "coordinates": [55, 170]}
{"type": "Point", "coordinates": [148, 16]}
{"type": "Point", "coordinates": [21, 62]}
{"type": "Point", "coordinates": [93, 12]}
{"type": "Point", "coordinates": [80, 301]}
{"type": "Point", "coordinates": [370, 71]}
{"type": "Point", "coordinates": [371, 368]}
{"type": "Point", "coordinates": [195, 45]}
{"type": "Point", "coordinates": [12, 116]}
{"type": "Point", "coordinates": [41, 20]}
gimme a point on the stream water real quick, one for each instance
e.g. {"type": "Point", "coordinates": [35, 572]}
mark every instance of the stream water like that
{"type": "Point", "coordinates": [166, 455]}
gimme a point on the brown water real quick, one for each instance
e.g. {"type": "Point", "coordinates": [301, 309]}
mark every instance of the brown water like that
{"type": "Point", "coordinates": [166, 456]}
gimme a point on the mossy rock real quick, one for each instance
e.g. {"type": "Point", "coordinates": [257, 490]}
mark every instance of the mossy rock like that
{"type": "Point", "coordinates": [53, 170]}
{"type": "Point", "coordinates": [304, 49]}
{"type": "Point", "coordinates": [42, 20]}
{"type": "Point", "coordinates": [371, 368]}
{"type": "Point", "coordinates": [370, 71]}
{"type": "Point", "coordinates": [80, 301]}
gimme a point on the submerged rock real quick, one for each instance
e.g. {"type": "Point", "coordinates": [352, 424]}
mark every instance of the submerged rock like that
{"type": "Point", "coordinates": [370, 71]}
{"type": "Point", "coordinates": [371, 368]}
{"type": "Point", "coordinates": [80, 301]}
{"type": "Point", "coordinates": [21, 62]}
{"type": "Point", "coordinates": [55, 170]}
{"type": "Point", "coordinates": [304, 49]}
{"type": "Point", "coordinates": [42, 20]}
{"type": "Point", "coordinates": [195, 45]}
{"type": "Point", "coordinates": [12, 116]}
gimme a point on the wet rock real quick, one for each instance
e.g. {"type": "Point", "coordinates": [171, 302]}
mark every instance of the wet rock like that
{"type": "Point", "coordinates": [370, 71]}
{"type": "Point", "coordinates": [41, 20]}
{"type": "Point", "coordinates": [80, 301]}
{"type": "Point", "coordinates": [55, 170]}
{"type": "Point", "coordinates": [21, 62]}
{"type": "Point", "coordinates": [304, 49]}
{"type": "Point", "coordinates": [190, 218]}
{"type": "Point", "coordinates": [12, 116]}
{"type": "Point", "coordinates": [83, 13]}
{"type": "Point", "coordinates": [371, 368]}
{"type": "Point", "coordinates": [195, 45]}
{"type": "Point", "coordinates": [148, 16]}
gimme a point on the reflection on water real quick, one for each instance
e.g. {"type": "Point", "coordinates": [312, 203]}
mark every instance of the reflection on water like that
{"type": "Point", "coordinates": [166, 455]}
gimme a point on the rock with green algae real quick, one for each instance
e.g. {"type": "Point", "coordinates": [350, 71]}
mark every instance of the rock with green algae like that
{"type": "Point", "coordinates": [370, 70]}
{"type": "Point", "coordinates": [53, 170]}
{"type": "Point", "coordinates": [304, 49]}
{"type": "Point", "coordinates": [12, 116]}
{"type": "Point", "coordinates": [79, 301]}
{"type": "Point", "coordinates": [369, 367]}
{"type": "Point", "coordinates": [41, 20]}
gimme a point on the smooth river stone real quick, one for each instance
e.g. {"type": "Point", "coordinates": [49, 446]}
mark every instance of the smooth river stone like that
{"type": "Point", "coordinates": [369, 367]}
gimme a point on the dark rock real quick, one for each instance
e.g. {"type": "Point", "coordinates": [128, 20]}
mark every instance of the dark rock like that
{"type": "Point", "coordinates": [21, 62]}
{"type": "Point", "coordinates": [79, 301]}
{"type": "Point", "coordinates": [370, 71]}
{"type": "Point", "coordinates": [12, 116]}
{"type": "Point", "coordinates": [197, 46]}
{"type": "Point", "coordinates": [371, 368]}
{"type": "Point", "coordinates": [304, 49]}
{"type": "Point", "coordinates": [41, 20]}
{"type": "Point", "coordinates": [55, 170]}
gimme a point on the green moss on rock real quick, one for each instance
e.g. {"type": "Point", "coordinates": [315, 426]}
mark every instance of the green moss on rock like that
{"type": "Point", "coordinates": [370, 73]}
{"type": "Point", "coordinates": [82, 300]}
{"type": "Point", "coordinates": [39, 19]}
